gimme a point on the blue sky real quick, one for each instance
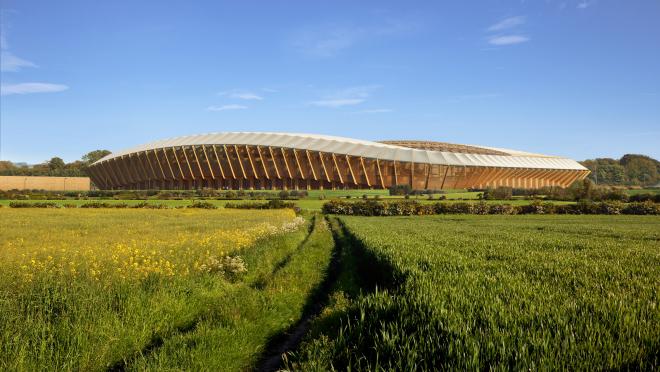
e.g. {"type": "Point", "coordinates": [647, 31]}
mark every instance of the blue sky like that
{"type": "Point", "coordinates": [572, 78]}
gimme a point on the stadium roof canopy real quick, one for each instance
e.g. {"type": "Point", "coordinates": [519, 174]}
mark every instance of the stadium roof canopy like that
{"type": "Point", "coordinates": [403, 151]}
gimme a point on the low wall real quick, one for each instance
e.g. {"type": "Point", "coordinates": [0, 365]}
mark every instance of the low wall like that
{"type": "Point", "coordinates": [44, 183]}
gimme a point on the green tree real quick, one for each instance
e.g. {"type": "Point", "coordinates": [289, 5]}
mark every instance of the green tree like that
{"type": "Point", "coordinates": [56, 164]}
{"type": "Point", "coordinates": [94, 156]}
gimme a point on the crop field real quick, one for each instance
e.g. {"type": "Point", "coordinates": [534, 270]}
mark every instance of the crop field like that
{"type": "Point", "coordinates": [492, 292]}
{"type": "Point", "coordinates": [227, 289]}
{"type": "Point", "coordinates": [158, 289]}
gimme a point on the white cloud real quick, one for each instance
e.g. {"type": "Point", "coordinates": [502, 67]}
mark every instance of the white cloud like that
{"type": "Point", "coordinates": [241, 94]}
{"type": "Point", "coordinates": [245, 96]}
{"type": "Point", "coordinates": [346, 97]}
{"type": "Point", "coordinates": [327, 42]}
{"type": "Point", "coordinates": [584, 4]}
{"type": "Point", "coordinates": [226, 108]}
{"type": "Point", "coordinates": [339, 102]}
{"type": "Point", "coordinates": [507, 39]}
{"type": "Point", "coordinates": [27, 88]}
{"type": "Point", "coordinates": [507, 23]}
{"type": "Point", "coordinates": [375, 111]}
{"type": "Point", "coordinates": [331, 39]}
{"type": "Point", "coordinates": [10, 62]}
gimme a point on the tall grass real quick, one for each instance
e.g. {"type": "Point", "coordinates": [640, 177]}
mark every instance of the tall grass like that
{"type": "Point", "coordinates": [96, 289]}
{"type": "Point", "coordinates": [504, 292]}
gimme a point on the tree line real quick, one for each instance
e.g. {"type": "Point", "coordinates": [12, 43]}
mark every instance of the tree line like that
{"type": "Point", "coordinates": [55, 167]}
{"type": "Point", "coordinates": [630, 170]}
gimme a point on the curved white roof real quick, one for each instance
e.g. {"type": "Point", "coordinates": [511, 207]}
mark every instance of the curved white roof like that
{"type": "Point", "coordinates": [354, 147]}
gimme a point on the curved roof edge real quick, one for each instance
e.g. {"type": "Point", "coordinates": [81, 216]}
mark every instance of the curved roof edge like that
{"type": "Point", "coordinates": [355, 147]}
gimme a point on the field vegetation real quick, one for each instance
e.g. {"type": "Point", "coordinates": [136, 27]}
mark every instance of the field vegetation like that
{"type": "Point", "coordinates": [210, 288]}
{"type": "Point", "coordinates": [492, 292]}
{"type": "Point", "coordinates": [94, 289]}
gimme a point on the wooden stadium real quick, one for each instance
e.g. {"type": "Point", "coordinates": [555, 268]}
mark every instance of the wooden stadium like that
{"type": "Point", "coordinates": [253, 160]}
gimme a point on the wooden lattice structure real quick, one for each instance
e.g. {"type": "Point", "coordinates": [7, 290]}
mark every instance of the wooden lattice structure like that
{"type": "Point", "coordinates": [293, 161]}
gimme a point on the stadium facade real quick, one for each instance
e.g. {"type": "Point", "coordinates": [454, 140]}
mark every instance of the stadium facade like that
{"type": "Point", "coordinates": [255, 160]}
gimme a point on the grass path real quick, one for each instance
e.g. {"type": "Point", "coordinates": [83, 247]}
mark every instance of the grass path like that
{"type": "Point", "coordinates": [248, 321]}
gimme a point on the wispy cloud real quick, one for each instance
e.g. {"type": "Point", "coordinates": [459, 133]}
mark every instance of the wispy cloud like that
{"type": "Point", "coordinates": [27, 88]}
{"type": "Point", "coordinates": [507, 39]}
{"type": "Point", "coordinates": [507, 23]}
{"type": "Point", "coordinates": [330, 39]}
{"type": "Point", "coordinates": [346, 97]}
{"type": "Point", "coordinates": [584, 4]}
{"type": "Point", "coordinates": [246, 96]}
{"type": "Point", "coordinates": [338, 102]}
{"type": "Point", "coordinates": [472, 96]}
{"type": "Point", "coordinates": [375, 111]}
{"type": "Point", "coordinates": [511, 23]}
{"type": "Point", "coordinates": [12, 63]}
{"type": "Point", "coordinates": [9, 61]}
{"type": "Point", "coordinates": [226, 108]}
{"type": "Point", "coordinates": [238, 94]}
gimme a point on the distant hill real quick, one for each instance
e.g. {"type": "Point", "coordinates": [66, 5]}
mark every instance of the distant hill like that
{"type": "Point", "coordinates": [631, 170]}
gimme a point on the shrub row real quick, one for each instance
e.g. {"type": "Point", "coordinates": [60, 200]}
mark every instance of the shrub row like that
{"type": "Point", "coordinates": [86, 205]}
{"type": "Point", "coordinates": [410, 208]}
{"type": "Point", "coordinates": [272, 204]}
{"type": "Point", "coordinates": [150, 194]}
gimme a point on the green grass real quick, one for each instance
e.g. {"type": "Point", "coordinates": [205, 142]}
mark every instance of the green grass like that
{"type": "Point", "coordinates": [232, 335]}
{"type": "Point", "coordinates": [495, 292]}
{"type": "Point", "coordinates": [652, 191]}
{"type": "Point", "coordinates": [53, 319]}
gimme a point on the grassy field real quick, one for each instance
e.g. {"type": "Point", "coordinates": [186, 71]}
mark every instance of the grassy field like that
{"type": "Point", "coordinates": [181, 289]}
{"type": "Point", "coordinates": [135, 289]}
{"type": "Point", "coordinates": [487, 292]}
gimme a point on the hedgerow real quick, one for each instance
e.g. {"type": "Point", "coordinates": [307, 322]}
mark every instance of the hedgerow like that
{"type": "Point", "coordinates": [411, 208]}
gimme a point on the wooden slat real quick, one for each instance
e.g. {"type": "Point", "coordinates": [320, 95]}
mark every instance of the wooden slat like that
{"type": "Point", "coordinates": [130, 169]}
{"type": "Point", "coordinates": [217, 158]}
{"type": "Point", "coordinates": [113, 173]}
{"type": "Point", "coordinates": [272, 156]}
{"type": "Point", "coordinates": [364, 169]}
{"type": "Point", "coordinates": [208, 162]}
{"type": "Point", "coordinates": [199, 165]}
{"type": "Point", "coordinates": [311, 166]}
{"type": "Point", "coordinates": [151, 167]}
{"type": "Point", "coordinates": [444, 178]}
{"type": "Point", "coordinates": [380, 174]}
{"type": "Point", "coordinates": [119, 173]}
{"type": "Point", "coordinates": [254, 170]}
{"type": "Point", "coordinates": [286, 162]}
{"type": "Point", "coordinates": [334, 160]}
{"type": "Point", "coordinates": [183, 176]}
{"type": "Point", "coordinates": [162, 172]}
{"type": "Point", "coordinates": [350, 168]}
{"type": "Point", "coordinates": [231, 167]}
{"type": "Point", "coordinates": [169, 165]}
{"type": "Point", "coordinates": [327, 175]}
{"type": "Point", "coordinates": [295, 154]}
{"type": "Point", "coordinates": [185, 156]}
{"type": "Point", "coordinates": [138, 175]}
{"type": "Point", "coordinates": [240, 162]}
{"type": "Point", "coordinates": [109, 177]}
{"type": "Point", "coordinates": [263, 163]}
{"type": "Point", "coordinates": [396, 174]}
